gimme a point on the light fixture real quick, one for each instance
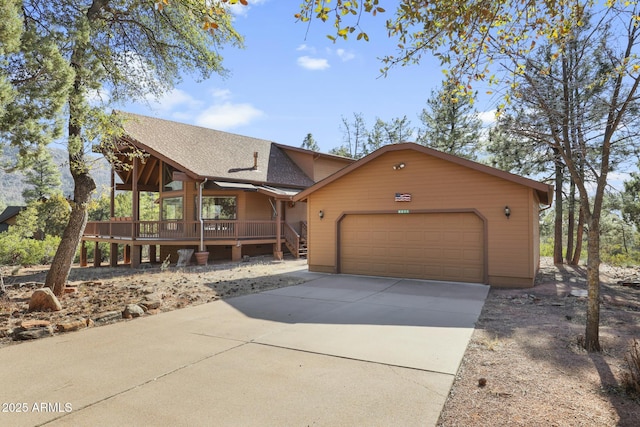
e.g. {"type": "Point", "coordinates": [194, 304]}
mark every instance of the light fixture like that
{"type": "Point", "coordinates": [321, 214]}
{"type": "Point", "coordinates": [507, 212]}
{"type": "Point", "coordinates": [399, 166]}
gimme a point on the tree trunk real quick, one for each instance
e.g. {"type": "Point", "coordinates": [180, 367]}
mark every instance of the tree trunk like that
{"type": "Point", "coordinates": [557, 231]}
{"type": "Point", "coordinates": [579, 236]}
{"type": "Point", "coordinates": [84, 185]}
{"type": "Point", "coordinates": [571, 220]}
{"type": "Point", "coordinates": [63, 259]}
{"type": "Point", "coordinates": [592, 332]}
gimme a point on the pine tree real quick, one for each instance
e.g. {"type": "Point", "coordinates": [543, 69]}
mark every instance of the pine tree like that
{"type": "Point", "coordinates": [451, 124]}
{"type": "Point", "coordinates": [309, 143]}
{"type": "Point", "coordinates": [43, 177]}
{"type": "Point", "coordinates": [71, 50]}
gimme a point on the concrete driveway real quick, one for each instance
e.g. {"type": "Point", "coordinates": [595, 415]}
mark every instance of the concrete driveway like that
{"type": "Point", "coordinates": [334, 351]}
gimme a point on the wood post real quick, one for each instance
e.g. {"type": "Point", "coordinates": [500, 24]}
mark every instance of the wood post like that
{"type": "Point", "coordinates": [97, 256]}
{"type": "Point", "coordinates": [83, 254]}
{"type": "Point", "coordinates": [113, 254]}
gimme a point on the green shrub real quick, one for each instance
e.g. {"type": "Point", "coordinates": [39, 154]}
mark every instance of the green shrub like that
{"type": "Point", "coordinates": [18, 250]}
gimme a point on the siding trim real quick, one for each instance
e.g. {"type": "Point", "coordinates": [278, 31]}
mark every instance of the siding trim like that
{"type": "Point", "coordinates": [485, 230]}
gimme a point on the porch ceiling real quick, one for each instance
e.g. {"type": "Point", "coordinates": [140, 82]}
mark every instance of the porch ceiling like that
{"type": "Point", "coordinates": [148, 172]}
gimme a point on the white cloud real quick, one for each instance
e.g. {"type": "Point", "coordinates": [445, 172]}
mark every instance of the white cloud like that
{"type": "Point", "coordinates": [345, 55]}
{"type": "Point", "coordinates": [313, 63]}
{"type": "Point", "coordinates": [227, 115]}
{"type": "Point", "coordinates": [175, 98]}
{"type": "Point", "coordinates": [221, 94]}
{"type": "Point", "coordinates": [306, 48]}
{"type": "Point", "coordinates": [488, 118]}
{"type": "Point", "coordinates": [240, 10]}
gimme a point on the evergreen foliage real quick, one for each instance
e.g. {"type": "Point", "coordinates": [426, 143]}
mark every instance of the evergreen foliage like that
{"type": "Point", "coordinates": [309, 143]}
{"type": "Point", "coordinates": [451, 123]}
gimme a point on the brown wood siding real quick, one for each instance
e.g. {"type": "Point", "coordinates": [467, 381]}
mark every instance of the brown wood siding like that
{"type": "Point", "coordinates": [324, 167]}
{"type": "Point", "coordinates": [433, 184]}
{"type": "Point", "coordinates": [317, 167]}
{"type": "Point", "coordinates": [257, 206]}
{"type": "Point", "coordinates": [437, 246]}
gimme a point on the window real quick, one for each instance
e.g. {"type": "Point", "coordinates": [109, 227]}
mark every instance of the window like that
{"type": "Point", "coordinates": [171, 208]}
{"type": "Point", "coordinates": [217, 207]}
{"type": "Point", "coordinates": [168, 184]}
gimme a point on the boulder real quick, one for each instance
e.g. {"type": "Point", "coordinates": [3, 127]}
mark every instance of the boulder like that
{"type": "Point", "coordinates": [72, 325]}
{"type": "Point", "coordinates": [34, 323]}
{"type": "Point", "coordinates": [21, 334]}
{"type": "Point", "coordinates": [108, 316]}
{"type": "Point", "coordinates": [132, 310]}
{"type": "Point", "coordinates": [44, 300]}
{"type": "Point", "coordinates": [184, 257]}
{"type": "Point", "coordinates": [150, 303]}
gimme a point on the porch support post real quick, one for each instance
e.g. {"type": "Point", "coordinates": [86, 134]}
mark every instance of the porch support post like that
{"type": "Point", "coordinates": [112, 202]}
{"type": "Point", "coordinates": [96, 255]}
{"type": "Point", "coordinates": [136, 255]}
{"type": "Point", "coordinates": [127, 254]}
{"type": "Point", "coordinates": [236, 252]}
{"type": "Point", "coordinates": [135, 203]}
{"type": "Point", "coordinates": [83, 254]}
{"type": "Point", "coordinates": [113, 254]}
{"type": "Point", "coordinates": [277, 249]}
{"type": "Point", "coordinates": [153, 259]}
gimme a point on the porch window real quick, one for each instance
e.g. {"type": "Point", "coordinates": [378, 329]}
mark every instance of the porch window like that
{"type": "Point", "coordinates": [172, 208]}
{"type": "Point", "coordinates": [217, 207]}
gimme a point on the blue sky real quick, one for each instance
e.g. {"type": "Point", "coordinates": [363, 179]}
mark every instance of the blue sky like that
{"type": "Point", "coordinates": [291, 80]}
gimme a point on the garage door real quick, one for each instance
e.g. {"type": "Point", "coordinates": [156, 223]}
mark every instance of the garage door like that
{"type": "Point", "coordinates": [436, 246]}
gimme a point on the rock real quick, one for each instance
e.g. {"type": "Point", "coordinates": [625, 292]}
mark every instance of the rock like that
{"type": "Point", "coordinates": [29, 324]}
{"type": "Point", "coordinates": [184, 257]}
{"type": "Point", "coordinates": [108, 316]}
{"type": "Point", "coordinates": [5, 332]}
{"type": "Point", "coordinates": [150, 304]}
{"type": "Point", "coordinates": [90, 323]}
{"type": "Point", "coordinates": [73, 325]}
{"type": "Point", "coordinates": [132, 310]}
{"type": "Point", "coordinates": [21, 334]}
{"type": "Point", "coordinates": [44, 300]}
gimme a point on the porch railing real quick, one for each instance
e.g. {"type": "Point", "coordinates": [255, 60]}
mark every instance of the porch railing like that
{"type": "Point", "coordinates": [181, 230]}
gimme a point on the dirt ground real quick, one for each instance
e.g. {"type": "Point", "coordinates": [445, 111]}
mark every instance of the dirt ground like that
{"type": "Point", "coordinates": [525, 350]}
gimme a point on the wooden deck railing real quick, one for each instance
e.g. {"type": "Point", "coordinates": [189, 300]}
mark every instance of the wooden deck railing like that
{"type": "Point", "coordinates": [181, 230]}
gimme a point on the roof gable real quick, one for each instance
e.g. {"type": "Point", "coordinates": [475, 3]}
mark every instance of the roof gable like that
{"type": "Point", "coordinates": [206, 153]}
{"type": "Point", "coordinates": [10, 212]}
{"type": "Point", "coordinates": [544, 191]}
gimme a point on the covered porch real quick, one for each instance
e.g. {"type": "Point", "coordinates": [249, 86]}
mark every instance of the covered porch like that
{"type": "Point", "coordinates": [206, 234]}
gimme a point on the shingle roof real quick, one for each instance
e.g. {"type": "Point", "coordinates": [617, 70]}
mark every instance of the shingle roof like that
{"type": "Point", "coordinates": [10, 212]}
{"type": "Point", "coordinates": [213, 154]}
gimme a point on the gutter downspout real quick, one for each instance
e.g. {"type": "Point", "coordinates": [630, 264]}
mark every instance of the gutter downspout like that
{"type": "Point", "coordinates": [200, 213]}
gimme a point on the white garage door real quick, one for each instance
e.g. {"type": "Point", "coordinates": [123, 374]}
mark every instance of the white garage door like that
{"type": "Point", "coordinates": [435, 246]}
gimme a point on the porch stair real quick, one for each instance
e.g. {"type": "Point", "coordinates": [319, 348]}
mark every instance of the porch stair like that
{"type": "Point", "coordinates": [296, 243]}
{"type": "Point", "coordinates": [302, 249]}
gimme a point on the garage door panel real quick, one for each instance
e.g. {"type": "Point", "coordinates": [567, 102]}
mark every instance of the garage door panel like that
{"type": "Point", "coordinates": [438, 246]}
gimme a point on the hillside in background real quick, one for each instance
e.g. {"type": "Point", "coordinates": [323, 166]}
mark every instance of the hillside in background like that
{"type": "Point", "coordinates": [12, 184]}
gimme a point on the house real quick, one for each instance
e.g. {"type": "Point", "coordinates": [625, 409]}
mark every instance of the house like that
{"type": "Point", "coordinates": [8, 217]}
{"type": "Point", "coordinates": [219, 193]}
{"type": "Point", "coordinates": [410, 211]}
